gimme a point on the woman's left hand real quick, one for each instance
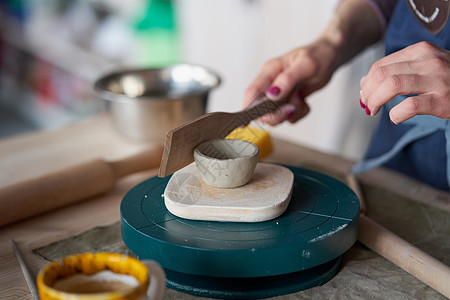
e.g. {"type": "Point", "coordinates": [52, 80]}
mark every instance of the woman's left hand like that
{"type": "Point", "coordinates": [421, 70]}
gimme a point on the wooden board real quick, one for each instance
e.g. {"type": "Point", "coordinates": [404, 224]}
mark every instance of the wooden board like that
{"type": "Point", "coordinates": [265, 197]}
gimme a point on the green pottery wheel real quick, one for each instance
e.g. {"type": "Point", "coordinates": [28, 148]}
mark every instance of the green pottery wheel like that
{"type": "Point", "coordinates": [298, 250]}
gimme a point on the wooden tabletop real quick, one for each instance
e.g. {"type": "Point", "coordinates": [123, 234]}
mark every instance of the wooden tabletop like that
{"type": "Point", "coordinates": [30, 155]}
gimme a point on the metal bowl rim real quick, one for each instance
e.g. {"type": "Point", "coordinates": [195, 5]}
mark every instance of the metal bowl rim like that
{"type": "Point", "coordinates": [114, 97]}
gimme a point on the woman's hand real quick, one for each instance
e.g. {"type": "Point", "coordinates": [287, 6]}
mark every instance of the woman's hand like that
{"type": "Point", "coordinates": [422, 70]}
{"type": "Point", "coordinates": [297, 74]}
{"type": "Point", "coordinates": [294, 75]}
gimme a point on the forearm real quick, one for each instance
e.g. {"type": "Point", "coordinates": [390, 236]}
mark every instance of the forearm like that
{"type": "Point", "coordinates": [353, 27]}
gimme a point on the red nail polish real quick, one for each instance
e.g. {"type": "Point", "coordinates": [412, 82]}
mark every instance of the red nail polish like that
{"type": "Point", "coordinates": [392, 122]}
{"type": "Point", "coordinates": [274, 91]}
{"type": "Point", "coordinates": [290, 113]}
{"type": "Point", "coordinates": [367, 111]}
{"type": "Point", "coordinates": [363, 106]}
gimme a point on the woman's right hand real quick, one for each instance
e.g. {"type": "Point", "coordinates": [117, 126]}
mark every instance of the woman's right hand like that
{"type": "Point", "coordinates": [295, 75]}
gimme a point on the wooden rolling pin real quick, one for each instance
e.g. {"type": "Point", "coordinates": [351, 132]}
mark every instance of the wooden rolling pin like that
{"type": "Point", "coordinates": [398, 251]}
{"type": "Point", "coordinates": [406, 256]}
{"type": "Point", "coordinates": [35, 196]}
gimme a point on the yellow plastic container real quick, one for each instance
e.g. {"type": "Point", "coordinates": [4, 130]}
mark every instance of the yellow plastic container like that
{"type": "Point", "coordinates": [92, 263]}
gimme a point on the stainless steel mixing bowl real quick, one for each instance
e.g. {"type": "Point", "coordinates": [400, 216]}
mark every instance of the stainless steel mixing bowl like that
{"type": "Point", "coordinates": [146, 103]}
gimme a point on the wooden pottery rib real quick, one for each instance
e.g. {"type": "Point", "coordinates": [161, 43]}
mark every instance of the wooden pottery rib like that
{"type": "Point", "coordinates": [180, 142]}
{"type": "Point", "coordinates": [265, 197]}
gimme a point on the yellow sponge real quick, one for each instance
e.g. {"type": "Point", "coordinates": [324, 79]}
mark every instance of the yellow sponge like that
{"type": "Point", "coordinates": [257, 136]}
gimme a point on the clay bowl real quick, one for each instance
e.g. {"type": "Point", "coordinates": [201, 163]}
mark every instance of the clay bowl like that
{"type": "Point", "coordinates": [226, 163]}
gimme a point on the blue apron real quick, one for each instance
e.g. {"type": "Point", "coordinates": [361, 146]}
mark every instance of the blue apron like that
{"type": "Point", "coordinates": [419, 147]}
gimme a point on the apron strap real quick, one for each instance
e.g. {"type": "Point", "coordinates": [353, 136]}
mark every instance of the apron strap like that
{"type": "Point", "coordinates": [413, 134]}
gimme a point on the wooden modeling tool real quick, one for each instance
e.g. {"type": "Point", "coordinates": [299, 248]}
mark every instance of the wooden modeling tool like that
{"type": "Point", "coordinates": [26, 272]}
{"type": "Point", "coordinates": [180, 142]}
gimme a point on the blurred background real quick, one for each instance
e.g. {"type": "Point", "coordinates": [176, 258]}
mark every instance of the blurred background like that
{"type": "Point", "coordinates": [51, 52]}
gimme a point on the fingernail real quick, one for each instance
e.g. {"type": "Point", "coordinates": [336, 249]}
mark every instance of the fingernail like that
{"type": "Point", "coordinates": [289, 110]}
{"type": "Point", "coordinates": [361, 81]}
{"type": "Point", "coordinates": [290, 113]}
{"type": "Point", "coordinates": [367, 111]}
{"type": "Point", "coordinates": [274, 91]}
{"type": "Point", "coordinates": [393, 123]}
{"type": "Point", "coordinates": [361, 104]}
{"type": "Point", "coordinates": [361, 96]}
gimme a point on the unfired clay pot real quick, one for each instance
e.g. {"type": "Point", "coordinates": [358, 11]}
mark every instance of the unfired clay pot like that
{"type": "Point", "coordinates": [226, 163]}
